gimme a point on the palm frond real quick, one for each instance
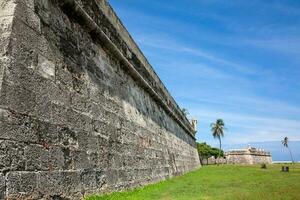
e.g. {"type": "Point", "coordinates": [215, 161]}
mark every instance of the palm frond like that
{"type": "Point", "coordinates": [218, 128]}
{"type": "Point", "coordinates": [285, 141]}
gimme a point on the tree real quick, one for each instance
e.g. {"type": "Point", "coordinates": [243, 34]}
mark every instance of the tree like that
{"type": "Point", "coordinates": [285, 143]}
{"type": "Point", "coordinates": [216, 152]}
{"type": "Point", "coordinates": [217, 130]}
{"type": "Point", "coordinates": [206, 151]}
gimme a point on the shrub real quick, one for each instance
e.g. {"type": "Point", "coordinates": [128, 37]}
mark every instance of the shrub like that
{"type": "Point", "coordinates": [263, 166]}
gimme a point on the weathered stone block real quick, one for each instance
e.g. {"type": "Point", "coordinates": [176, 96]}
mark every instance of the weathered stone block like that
{"type": "Point", "coordinates": [3, 65]}
{"type": "Point", "coordinates": [45, 67]}
{"type": "Point", "coordinates": [17, 98]}
{"type": "Point", "coordinates": [5, 31]}
{"type": "Point", "coordinates": [92, 142]}
{"type": "Point", "coordinates": [60, 183]}
{"type": "Point", "coordinates": [45, 158]}
{"type": "Point", "coordinates": [25, 12]}
{"type": "Point", "coordinates": [66, 117]}
{"type": "Point", "coordinates": [35, 155]}
{"type": "Point", "coordinates": [12, 156]}
{"type": "Point", "coordinates": [21, 127]}
{"type": "Point", "coordinates": [7, 8]}
{"type": "Point", "coordinates": [5, 27]}
{"type": "Point", "coordinates": [17, 127]}
{"type": "Point", "coordinates": [27, 44]}
{"type": "Point", "coordinates": [21, 185]}
{"type": "Point", "coordinates": [28, 3]}
{"type": "Point", "coordinates": [112, 177]}
{"type": "Point", "coordinates": [92, 180]}
{"type": "Point", "coordinates": [2, 186]}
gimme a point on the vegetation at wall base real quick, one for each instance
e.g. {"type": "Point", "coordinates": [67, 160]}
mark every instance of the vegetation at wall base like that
{"type": "Point", "coordinates": [206, 151]}
{"type": "Point", "coordinates": [228, 182]}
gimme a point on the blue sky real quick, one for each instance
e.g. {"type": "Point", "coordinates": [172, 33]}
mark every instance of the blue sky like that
{"type": "Point", "coordinates": [235, 60]}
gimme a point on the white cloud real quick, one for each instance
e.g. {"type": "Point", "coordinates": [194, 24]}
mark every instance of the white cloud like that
{"type": "Point", "coordinates": [167, 43]}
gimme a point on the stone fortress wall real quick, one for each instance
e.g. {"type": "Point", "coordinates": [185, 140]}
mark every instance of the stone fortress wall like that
{"type": "Point", "coordinates": [81, 109]}
{"type": "Point", "coordinates": [249, 156]}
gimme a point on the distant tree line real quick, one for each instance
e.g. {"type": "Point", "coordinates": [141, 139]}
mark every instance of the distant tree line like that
{"type": "Point", "coordinates": [206, 151]}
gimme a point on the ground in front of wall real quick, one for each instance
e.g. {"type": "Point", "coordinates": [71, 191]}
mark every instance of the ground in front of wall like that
{"type": "Point", "coordinates": [230, 182]}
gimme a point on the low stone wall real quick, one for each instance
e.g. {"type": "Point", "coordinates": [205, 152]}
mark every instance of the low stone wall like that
{"type": "Point", "coordinates": [81, 109]}
{"type": "Point", "coordinates": [213, 161]}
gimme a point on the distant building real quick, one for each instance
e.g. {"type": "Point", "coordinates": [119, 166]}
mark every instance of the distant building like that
{"type": "Point", "coordinates": [249, 156]}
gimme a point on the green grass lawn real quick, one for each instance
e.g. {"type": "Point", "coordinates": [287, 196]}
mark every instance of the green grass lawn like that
{"type": "Point", "coordinates": [221, 182]}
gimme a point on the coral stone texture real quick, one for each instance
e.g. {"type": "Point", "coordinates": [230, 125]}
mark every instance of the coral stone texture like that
{"type": "Point", "coordinates": [81, 109]}
{"type": "Point", "coordinates": [248, 156]}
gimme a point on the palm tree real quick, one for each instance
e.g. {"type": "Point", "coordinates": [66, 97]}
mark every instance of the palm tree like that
{"type": "Point", "coordinates": [217, 130]}
{"type": "Point", "coordinates": [285, 143]}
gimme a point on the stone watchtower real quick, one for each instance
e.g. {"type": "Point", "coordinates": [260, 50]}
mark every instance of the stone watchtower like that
{"type": "Point", "coordinates": [248, 155]}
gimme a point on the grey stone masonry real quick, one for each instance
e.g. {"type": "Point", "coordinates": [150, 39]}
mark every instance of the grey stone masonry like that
{"type": "Point", "coordinates": [81, 109]}
{"type": "Point", "coordinates": [248, 156]}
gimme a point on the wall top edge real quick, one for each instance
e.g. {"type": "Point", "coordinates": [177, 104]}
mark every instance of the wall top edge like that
{"type": "Point", "coordinates": [122, 40]}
